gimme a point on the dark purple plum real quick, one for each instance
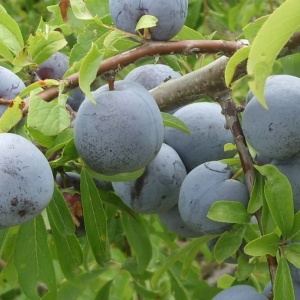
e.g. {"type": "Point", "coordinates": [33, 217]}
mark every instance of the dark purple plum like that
{"type": "Point", "coordinates": [201, 188]}
{"type": "Point", "coordinates": [26, 184]}
{"type": "Point", "coordinates": [171, 15]}
{"type": "Point", "coordinates": [152, 75]}
{"type": "Point", "coordinates": [76, 98]}
{"type": "Point", "coordinates": [122, 132]}
{"type": "Point", "coordinates": [54, 67]}
{"type": "Point", "coordinates": [157, 190]}
{"type": "Point", "coordinates": [271, 131]}
{"type": "Point", "coordinates": [207, 138]}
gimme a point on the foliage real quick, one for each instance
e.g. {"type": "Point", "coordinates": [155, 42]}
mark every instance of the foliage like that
{"type": "Point", "coordinates": [99, 248]}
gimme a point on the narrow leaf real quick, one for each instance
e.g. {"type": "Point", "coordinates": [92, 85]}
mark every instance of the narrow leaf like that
{"type": "Point", "coordinates": [283, 285]}
{"type": "Point", "coordinates": [80, 10]}
{"type": "Point", "coordinates": [95, 219]}
{"type": "Point", "coordinates": [279, 197]}
{"type": "Point", "coordinates": [292, 254]}
{"type": "Point", "coordinates": [138, 237]}
{"type": "Point", "coordinates": [257, 195]}
{"type": "Point", "coordinates": [33, 261]}
{"type": "Point", "coordinates": [172, 121]}
{"type": "Point", "coordinates": [229, 212]}
{"type": "Point", "coordinates": [89, 68]}
{"type": "Point", "coordinates": [266, 244]}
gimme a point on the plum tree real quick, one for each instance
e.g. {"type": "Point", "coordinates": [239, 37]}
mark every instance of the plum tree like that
{"type": "Point", "coordinates": [171, 15]}
{"type": "Point", "coordinates": [151, 75]}
{"type": "Point", "coordinates": [202, 187]}
{"type": "Point", "coordinates": [207, 138]}
{"type": "Point", "coordinates": [157, 190]}
{"type": "Point", "coordinates": [26, 184]}
{"type": "Point", "coordinates": [269, 131]}
{"type": "Point", "coordinates": [173, 221]}
{"type": "Point", "coordinates": [122, 133]}
{"type": "Point", "coordinates": [11, 85]}
{"type": "Point", "coordinates": [238, 292]}
{"type": "Point", "coordinates": [291, 168]}
{"type": "Point", "coordinates": [54, 67]}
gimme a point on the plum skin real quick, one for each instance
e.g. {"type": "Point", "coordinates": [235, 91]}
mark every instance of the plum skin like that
{"type": "Point", "coordinates": [157, 190]}
{"type": "Point", "coordinates": [122, 133]}
{"type": "Point", "coordinates": [203, 186]}
{"type": "Point", "coordinates": [274, 132]}
{"type": "Point", "coordinates": [26, 184]}
{"type": "Point", "coordinates": [151, 75]}
{"type": "Point", "coordinates": [239, 292]}
{"type": "Point", "coordinates": [171, 15]}
{"type": "Point", "coordinates": [207, 138]}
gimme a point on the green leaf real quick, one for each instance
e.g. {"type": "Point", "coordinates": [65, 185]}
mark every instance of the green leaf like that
{"type": "Point", "coordinates": [37, 86]}
{"type": "Point", "coordinates": [265, 50]}
{"type": "Point", "coordinates": [229, 212]}
{"type": "Point", "coordinates": [10, 33]}
{"type": "Point", "coordinates": [69, 153]}
{"type": "Point", "coordinates": [103, 293]}
{"type": "Point", "coordinates": [138, 238]}
{"type": "Point", "coordinates": [257, 195]}
{"type": "Point", "coordinates": [33, 261]}
{"type": "Point", "coordinates": [177, 255]}
{"type": "Point", "coordinates": [238, 57]}
{"type": "Point", "coordinates": [118, 177]}
{"type": "Point", "coordinates": [43, 140]}
{"type": "Point", "coordinates": [178, 289]}
{"type": "Point", "coordinates": [283, 285]}
{"type": "Point", "coordinates": [12, 115]}
{"type": "Point", "coordinates": [50, 118]}
{"type": "Point", "coordinates": [95, 219]}
{"type": "Point", "coordinates": [296, 227]}
{"type": "Point", "coordinates": [89, 68]}
{"type": "Point", "coordinates": [146, 21]}
{"type": "Point", "coordinates": [187, 33]}
{"type": "Point", "coordinates": [266, 244]}
{"type": "Point", "coordinates": [80, 10]}
{"type": "Point", "coordinates": [250, 31]}
{"type": "Point", "coordinates": [5, 52]}
{"type": "Point", "coordinates": [279, 197]}
{"type": "Point", "coordinates": [43, 44]}
{"type": "Point", "coordinates": [292, 254]}
{"type": "Point", "coordinates": [59, 213]}
{"type": "Point", "coordinates": [244, 268]}
{"type": "Point", "coordinates": [229, 243]}
{"type": "Point", "coordinates": [172, 121]}
{"type": "Point", "coordinates": [3, 239]}
{"type": "Point", "coordinates": [69, 252]}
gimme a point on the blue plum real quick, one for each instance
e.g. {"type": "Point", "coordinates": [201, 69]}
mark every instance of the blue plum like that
{"type": "Point", "coordinates": [171, 15]}
{"type": "Point", "coordinates": [271, 131]}
{"type": "Point", "coordinates": [151, 75]}
{"type": "Point", "coordinates": [76, 98]}
{"type": "Point", "coordinates": [11, 85]}
{"type": "Point", "coordinates": [157, 190]}
{"type": "Point", "coordinates": [26, 184]}
{"type": "Point", "coordinates": [208, 134]}
{"type": "Point", "coordinates": [122, 132]}
{"type": "Point", "coordinates": [202, 187]}
{"type": "Point", "coordinates": [240, 292]}
{"type": "Point", "coordinates": [173, 221]}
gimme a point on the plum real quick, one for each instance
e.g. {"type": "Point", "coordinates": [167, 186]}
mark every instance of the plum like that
{"type": "Point", "coordinates": [171, 15]}
{"type": "Point", "coordinates": [273, 132]}
{"type": "Point", "coordinates": [173, 221]}
{"type": "Point", "coordinates": [202, 187]}
{"type": "Point", "coordinates": [157, 190]}
{"type": "Point", "coordinates": [240, 292]}
{"type": "Point", "coordinates": [76, 98]}
{"type": "Point", "coordinates": [11, 85]}
{"type": "Point", "coordinates": [151, 75]}
{"type": "Point", "coordinates": [207, 138]}
{"type": "Point", "coordinates": [26, 184]}
{"type": "Point", "coordinates": [54, 67]}
{"type": "Point", "coordinates": [122, 132]}
{"type": "Point", "coordinates": [291, 169]}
